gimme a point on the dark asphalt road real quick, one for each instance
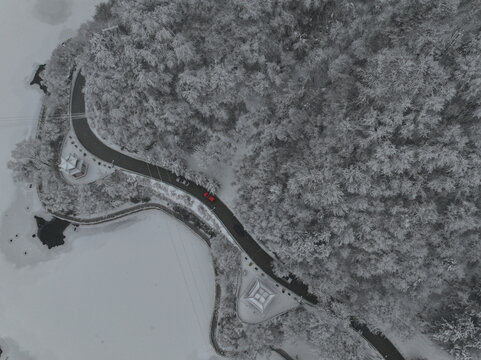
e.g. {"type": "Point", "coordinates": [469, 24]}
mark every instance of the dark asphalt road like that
{"type": "Point", "coordinates": [262, 259]}
{"type": "Point", "coordinates": [88, 139]}
{"type": "Point", "coordinates": [378, 341]}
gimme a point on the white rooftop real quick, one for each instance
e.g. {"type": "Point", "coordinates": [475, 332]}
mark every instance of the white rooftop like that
{"type": "Point", "coordinates": [259, 295]}
{"type": "Point", "coordinates": [69, 162]}
{"type": "Point", "coordinates": [73, 166]}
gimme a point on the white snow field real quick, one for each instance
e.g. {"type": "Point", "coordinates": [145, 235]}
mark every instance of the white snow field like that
{"type": "Point", "coordinates": [114, 291]}
{"type": "Point", "coordinates": [140, 288]}
{"type": "Point", "coordinates": [26, 41]}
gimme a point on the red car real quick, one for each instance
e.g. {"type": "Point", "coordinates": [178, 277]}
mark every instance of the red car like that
{"type": "Point", "coordinates": [209, 197]}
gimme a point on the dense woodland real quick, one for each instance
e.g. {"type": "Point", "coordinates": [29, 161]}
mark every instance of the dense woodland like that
{"type": "Point", "coordinates": [360, 124]}
{"type": "Point", "coordinates": [330, 337]}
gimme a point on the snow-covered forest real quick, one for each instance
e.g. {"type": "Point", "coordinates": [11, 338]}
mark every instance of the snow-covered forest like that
{"type": "Point", "coordinates": [361, 136]}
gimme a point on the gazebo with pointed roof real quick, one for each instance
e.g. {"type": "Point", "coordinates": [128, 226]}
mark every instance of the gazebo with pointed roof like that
{"type": "Point", "coordinates": [73, 166]}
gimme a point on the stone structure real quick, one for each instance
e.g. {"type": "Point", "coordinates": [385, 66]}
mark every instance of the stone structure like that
{"type": "Point", "coordinates": [259, 295]}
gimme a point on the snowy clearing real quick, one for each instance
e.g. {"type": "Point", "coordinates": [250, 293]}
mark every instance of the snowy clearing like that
{"type": "Point", "coordinates": [112, 291]}
{"type": "Point", "coordinates": [18, 241]}
{"type": "Point", "coordinates": [135, 289]}
{"type": "Point", "coordinates": [27, 42]}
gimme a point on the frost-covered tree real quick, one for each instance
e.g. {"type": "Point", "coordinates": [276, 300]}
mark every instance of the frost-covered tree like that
{"type": "Point", "coordinates": [29, 160]}
{"type": "Point", "coordinates": [459, 326]}
{"type": "Point", "coordinates": [359, 120]}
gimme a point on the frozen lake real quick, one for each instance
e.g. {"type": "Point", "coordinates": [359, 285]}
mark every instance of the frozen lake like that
{"type": "Point", "coordinates": [141, 288]}
{"type": "Point", "coordinates": [138, 288]}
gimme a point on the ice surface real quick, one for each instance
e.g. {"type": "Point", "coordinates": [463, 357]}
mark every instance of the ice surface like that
{"type": "Point", "coordinates": [136, 290]}
{"type": "Point", "coordinates": [115, 291]}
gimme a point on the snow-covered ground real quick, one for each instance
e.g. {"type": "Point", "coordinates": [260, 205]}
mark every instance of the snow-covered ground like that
{"type": "Point", "coordinates": [140, 288]}
{"type": "Point", "coordinates": [18, 242]}
{"type": "Point", "coordinates": [27, 39]}
{"type": "Point", "coordinates": [116, 291]}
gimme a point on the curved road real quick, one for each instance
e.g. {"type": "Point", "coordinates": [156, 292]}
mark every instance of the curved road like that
{"type": "Point", "coordinates": [88, 139]}
{"type": "Point", "coordinates": [258, 255]}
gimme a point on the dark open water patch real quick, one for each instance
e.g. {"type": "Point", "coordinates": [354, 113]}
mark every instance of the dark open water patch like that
{"type": "Point", "coordinates": [37, 79]}
{"type": "Point", "coordinates": [50, 232]}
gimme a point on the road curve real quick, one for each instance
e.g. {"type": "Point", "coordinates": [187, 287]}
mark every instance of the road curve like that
{"type": "Point", "coordinates": [257, 254]}
{"type": "Point", "coordinates": [92, 144]}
